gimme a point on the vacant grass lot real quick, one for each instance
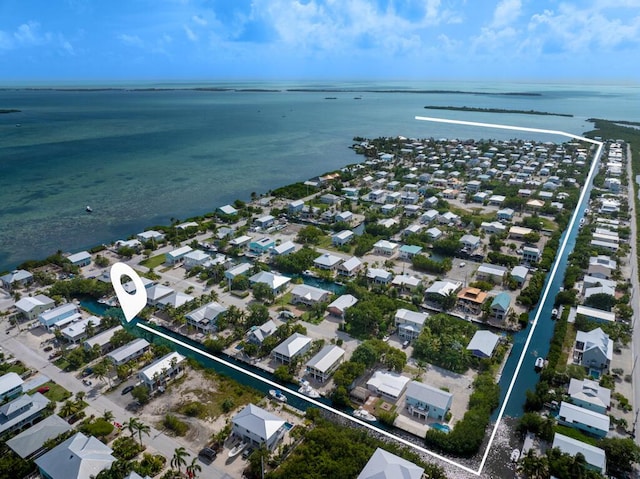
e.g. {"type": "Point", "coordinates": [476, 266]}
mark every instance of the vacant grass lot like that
{"type": "Point", "coordinates": [153, 261]}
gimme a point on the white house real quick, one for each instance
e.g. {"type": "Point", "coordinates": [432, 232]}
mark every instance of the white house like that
{"type": "Point", "coordinates": [350, 267]}
{"type": "Point", "coordinates": [276, 282]}
{"type": "Point", "coordinates": [593, 349]}
{"type": "Point", "coordinates": [150, 235]}
{"type": "Point", "coordinates": [175, 256]}
{"type": "Point", "coordinates": [483, 344]}
{"type": "Point", "coordinates": [129, 351]}
{"type": "Point", "coordinates": [258, 334]}
{"type": "Point", "coordinates": [205, 318]}
{"type": "Point", "coordinates": [595, 457]}
{"type": "Point", "coordinates": [60, 316]}
{"type": "Point", "coordinates": [589, 395]}
{"type": "Point", "coordinates": [258, 427]}
{"type": "Point", "coordinates": [384, 465]}
{"type": "Point", "coordinates": [584, 420]}
{"type": "Point", "coordinates": [341, 238]}
{"type": "Point", "coordinates": [195, 258]}
{"type": "Point", "coordinates": [340, 305]}
{"type": "Point", "coordinates": [387, 384]}
{"type": "Point", "coordinates": [77, 331]}
{"type": "Point", "coordinates": [162, 370]}
{"type": "Point", "coordinates": [82, 258]}
{"type": "Point", "coordinates": [327, 261]}
{"type": "Point", "coordinates": [293, 346]}
{"type": "Point", "coordinates": [308, 295]}
{"type": "Point", "coordinates": [79, 457]}
{"type": "Point", "coordinates": [379, 276]}
{"type": "Point", "coordinates": [385, 248]}
{"type": "Point", "coordinates": [409, 323]}
{"type": "Point", "coordinates": [322, 365]}
{"type": "Point", "coordinates": [10, 386]}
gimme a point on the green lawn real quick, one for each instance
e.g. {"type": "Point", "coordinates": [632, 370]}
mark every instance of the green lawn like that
{"type": "Point", "coordinates": [153, 261]}
{"type": "Point", "coordinates": [56, 392]}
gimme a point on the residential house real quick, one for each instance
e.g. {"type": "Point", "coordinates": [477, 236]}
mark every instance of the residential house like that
{"type": "Point", "coordinates": [342, 238]}
{"type": "Point", "coordinates": [227, 210]}
{"type": "Point", "coordinates": [471, 300]}
{"type": "Point", "coordinates": [276, 282]}
{"type": "Point", "coordinates": [264, 222]}
{"type": "Point", "coordinates": [156, 292]}
{"type": "Point", "coordinates": [387, 384]}
{"type": "Point", "coordinates": [434, 233]}
{"type": "Point", "coordinates": [385, 248]}
{"type": "Point", "coordinates": [501, 306]}
{"type": "Point", "coordinates": [83, 258]}
{"type": "Point", "coordinates": [241, 242]}
{"type": "Point", "coordinates": [21, 412]}
{"type": "Point", "coordinates": [327, 261]}
{"type": "Point", "coordinates": [283, 249]}
{"type": "Point", "coordinates": [322, 365]}
{"type": "Point", "coordinates": [505, 214]}
{"type": "Point", "coordinates": [344, 217]}
{"type": "Point", "coordinates": [519, 232]}
{"type": "Point", "coordinates": [15, 279]}
{"type": "Point", "coordinates": [308, 295]}
{"type": "Point", "coordinates": [340, 305]}
{"type": "Point", "coordinates": [102, 340]}
{"type": "Point", "coordinates": [257, 334]}
{"type": "Point", "coordinates": [441, 289]}
{"type": "Point", "coordinates": [584, 420]}
{"type": "Point", "coordinates": [589, 394]}
{"type": "Point", "coordinates": [150, 235]}
{"type": "Point", "coordinates": [31, 441]}
{"type": "Point", "coordinates": [79, 457]}
{"type": "Point", "coordinates": [177, 255]}
{"type": "Point", "coordinates": [77, 331]}
{"type": "Point", "coordinates": [258, 427]}
{"type": "Point", "coordinates": [240, 269]}
{"type": "Point", "coordinates": [10, 386]}
{"type": "Point", "coordinates": [261, 245]}
{"type": "Point", "coordinates": [406, 283]}
{"type": "Point", "coordinates": [409, 251]}
{"type": "Point", "coordinates": [205, 318]}
{"type": "Point", "coordinates": [379, 276]}
{"type": "Point", "coordinates": [470, 243]}
{"type": "Point", "coordinates": [32, 306]}
{"type": "Point", "coordinates": [594, 457]}
{"type": "Point", "coordinates": [295, 207]}
{"type": "Point", "coordinates": [429, 216]}
{"type": "Point", "coordinates": [409, 323]}
{"type": "Point", "coordinates": [424, 401]}
{"type": "Point", "coordinates": [195, 258]}
{"type": "Point", "coordinates": [162, 370]}
{"type": "Point", "coordinates": [129, 352]}
{"type": "Point", "coordinates": [519, 274]}
{"type": "Point", "coordinates": [531, 254]}
{"type": "Point", "coordinates": [593, 349]}
{"type": "Point", "coordinates": [59, 316]}
{"type": "Point", "coordinates": [495, 227]}
{"type": "Point", "coordinates": [491, 272]}
{"type": "Point", "coordinates": [601, 266]}
{"type": "Point", "coordinates": [448, 218]}
{"type": "Point", "coordinates": [350, 267]}
{"type": "Point", "coordinates": [384, 465]}
{"type": "Point", "coordinates": [483, 343]}
{"type": "Point", "coordinates": [591, 281]}
{"type": "Point", "coordinates": [595, 314]}
{"type": "Point", "coordinates": [293, 346]}
{"type": "Point", "coordinates": [174, 299]}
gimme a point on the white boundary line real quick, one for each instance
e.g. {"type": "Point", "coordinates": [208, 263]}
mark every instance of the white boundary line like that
{"type": "Point", "coordinates": [308, 399]}
{"type": "Point", "coordinates": [550, 280]}
{"type": "Point", "coordinates": [556, 263]}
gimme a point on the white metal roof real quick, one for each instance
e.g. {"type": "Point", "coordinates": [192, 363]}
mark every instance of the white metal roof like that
{"type": "Point", "coordinates": [326, 357]}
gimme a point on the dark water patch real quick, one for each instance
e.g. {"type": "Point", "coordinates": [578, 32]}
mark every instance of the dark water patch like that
{"type": "Point", "coordinates": [16, 210]}
{"type": "Point", "coordinates": [180, 179]}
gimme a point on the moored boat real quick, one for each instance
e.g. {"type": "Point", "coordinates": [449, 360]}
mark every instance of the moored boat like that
{"type": "Point", "coordinates": [364, 415]}
{"type": "Point", "coordinates": [277, 395]}
{"type": "Point", "coordinates": [515, 455]}
{"type": "Point", "coordinates": [89, 209]}
{"type": "Point", "coordinates": [307, 390]}
{"type": "Point", "coordinates": [539, 363]}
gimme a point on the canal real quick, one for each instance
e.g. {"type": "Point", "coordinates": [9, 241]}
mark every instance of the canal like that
{"type": "Point", "coordinates": [541, 339]}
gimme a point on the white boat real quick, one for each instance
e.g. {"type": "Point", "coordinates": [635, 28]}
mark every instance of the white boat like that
{"type": "Point", "coordinates": [307, 390]}
{"type": "Point", "coordinates": [515, 455]}
{"type": "Point", "coordinates": [364, 415]}
{"type": "Point", "coordinates": [539, 363]}
{"type": "Point", "coordinates": [237, 449]}
{"type": "Point", "coordinates": [277, 395]}
{"type": "Point", "coordinates": [554, 313]}
{"type": "Point", "coordinates": [89, 209]}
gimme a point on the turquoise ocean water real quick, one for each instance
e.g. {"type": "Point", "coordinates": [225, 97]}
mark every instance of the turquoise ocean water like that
{"type": "Point", "coordinates": [140, 158]}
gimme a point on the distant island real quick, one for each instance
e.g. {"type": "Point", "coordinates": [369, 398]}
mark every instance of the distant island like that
{"type": "Point", "coordinates": [495, 110]}
{"type": "Point", "coordinates": [9, 111]}
{"type": "Point", "coordinates": [427, 92]}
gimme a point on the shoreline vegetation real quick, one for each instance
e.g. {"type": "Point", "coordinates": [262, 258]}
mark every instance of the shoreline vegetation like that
{"type": "Point", "coordinates": [276, 90]}
{"type": "Point", "coordinates": [495, 110]}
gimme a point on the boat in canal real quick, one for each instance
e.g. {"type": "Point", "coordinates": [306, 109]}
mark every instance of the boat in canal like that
{"type": "Point", "coordinates": [539, 364]}
{"type": "Point", "coordinates": [308, 390]}
{"type": "Point", "coordinates": [277, 395]}
{"type": "Point", "coordinates": [364, 415]}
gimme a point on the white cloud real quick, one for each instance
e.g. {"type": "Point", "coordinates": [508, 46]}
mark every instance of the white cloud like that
{"type": "Point", "coordinates": [199, 19]}
{"type": "Point", "coordinates": [506, 12]}
{"type": "Point", "coordinates": [127, 39]}
{"type": "Point", "coordinates": [190, 34]}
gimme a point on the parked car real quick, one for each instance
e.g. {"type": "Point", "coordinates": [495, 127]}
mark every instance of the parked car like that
{"type": "Point", "coordinates": [44, 389]}
{"type": "Point", "coordinates": [405, 344]}
{"type": "Point", "coordinates": [48, 348]}
{"type": "Point", "coordinates": [87, 371]}
{"type": "Point", "coordinates": [207, 454]}
{"type": "Point", "coordinates": [127, 389]}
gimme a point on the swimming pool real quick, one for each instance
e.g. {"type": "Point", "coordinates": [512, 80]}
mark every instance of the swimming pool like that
{"type": "Point", "coordinates": [441, 427]}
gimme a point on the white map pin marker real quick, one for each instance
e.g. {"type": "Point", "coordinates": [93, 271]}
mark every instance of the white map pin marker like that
{"type": "Point", "coordinates": [131, 304]}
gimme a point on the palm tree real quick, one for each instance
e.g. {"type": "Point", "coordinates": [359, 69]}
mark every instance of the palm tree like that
{"type": "Point", "coordinates": [178, 459]}
{"type": "Point", "coordinates": [132, 425]}
{"type": "Point", "coordinates": [108, 416]}
{"type": "Point", "coordinates": [142, 428]}
{"type": "Point", "coordinates": [193, 468]}
{"type": "Point", "coordinates": [533, 466]}
{"type": "Point", "coordinates": [69, 408]}
{"type": "Point", "coordinates": [80, 396]}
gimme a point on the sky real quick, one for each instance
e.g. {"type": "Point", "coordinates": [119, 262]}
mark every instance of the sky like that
{"type": "Point", "coordinates": [129, 40]}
